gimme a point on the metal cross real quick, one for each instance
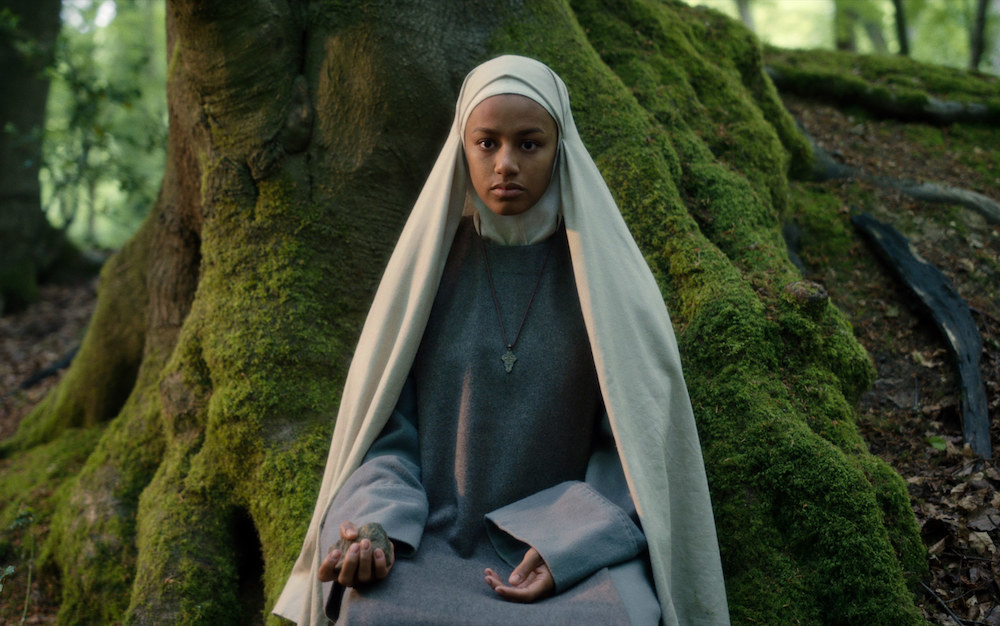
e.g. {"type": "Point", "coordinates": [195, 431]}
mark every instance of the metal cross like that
{"type": "Point", "coordinates": [508, 359]}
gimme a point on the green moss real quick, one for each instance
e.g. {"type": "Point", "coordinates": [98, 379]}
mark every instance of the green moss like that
{"type": "Point", "coordinates": [930, 137]}
{"type": "Point", "coordinates": [93, 533]}
{"type": "Point", "coordinates": [252, 365]}
{"type": "Point", "coordinates": [33, 478]}
{"type": "Point", "coordinates": [39, 481]}
{"type": "Point", "coordinates": [890, 84]}
{"type": "Point", "coordinates": [824, 228]}
{"type": "Point", "coordinates": [977, 148]}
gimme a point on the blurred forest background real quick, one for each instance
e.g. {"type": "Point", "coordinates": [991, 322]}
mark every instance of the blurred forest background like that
{"type": "Point", "coordinates": [105, 125]}
{"type": "Point", "coordinates": [105, 128]}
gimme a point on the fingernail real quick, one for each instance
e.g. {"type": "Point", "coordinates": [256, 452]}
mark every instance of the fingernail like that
{"type": "Point", "coordinates": [515, 578]}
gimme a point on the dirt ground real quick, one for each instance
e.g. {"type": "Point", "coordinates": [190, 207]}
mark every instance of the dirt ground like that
{"type": "Point", "coordinates": [910, 417]}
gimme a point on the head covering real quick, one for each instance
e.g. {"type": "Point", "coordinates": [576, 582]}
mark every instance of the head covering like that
{"type": "Point", "coordinates": [631, 338]}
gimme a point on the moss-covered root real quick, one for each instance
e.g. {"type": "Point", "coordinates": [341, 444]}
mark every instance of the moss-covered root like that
{"type": "Point", "coordinates": [888, 86]}
{"type": "Point", "coordinates": [186, 571]}
{"type": "Point", "coordinates": [105, 368]}
{"type": "Point", "coordinates": [93, 532]}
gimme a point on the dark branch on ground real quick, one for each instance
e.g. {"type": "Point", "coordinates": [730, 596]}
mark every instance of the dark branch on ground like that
{"type": "Point", "coordinates": [950, 314]}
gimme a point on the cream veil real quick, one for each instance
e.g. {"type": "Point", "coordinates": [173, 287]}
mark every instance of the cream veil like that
{"type": "Point", "coordinates": [630, 334]}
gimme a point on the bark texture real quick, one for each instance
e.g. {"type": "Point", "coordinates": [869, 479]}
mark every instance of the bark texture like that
{"type": "Point", "coordinates": [300, 133]}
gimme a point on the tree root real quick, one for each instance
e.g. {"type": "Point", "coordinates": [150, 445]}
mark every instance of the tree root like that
{"type": "Point", "coordinates": [879, 101]}
{"type": "Point", "coordinates": [952, 317]}
{"type": "Point", "coordinates": [828, 168]}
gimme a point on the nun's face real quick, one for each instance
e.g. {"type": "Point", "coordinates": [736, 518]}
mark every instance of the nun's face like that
{"type": "Point", "coordinates": [510, 146]}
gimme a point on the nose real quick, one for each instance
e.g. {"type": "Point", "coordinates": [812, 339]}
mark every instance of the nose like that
{"type": "Point", "coordinates": [506, 162]}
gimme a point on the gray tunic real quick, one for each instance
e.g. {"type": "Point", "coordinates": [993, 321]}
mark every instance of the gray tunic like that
{"type": "Point", "coordinates": [476, 464]}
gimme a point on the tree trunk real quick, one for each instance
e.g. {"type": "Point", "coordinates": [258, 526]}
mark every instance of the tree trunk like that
{"type": "Point", "coordinates": [28, 244]}
{"type": "Point", "coordinates": [902, 35]}
{"type": "Point", "coordinates": [874, 31]}
{"type": "Point", "coordinates": [993, 58]}
{"type": "Point", "coordinates": [845, 20]}
{"type": "Point", "coordinates": [977, 35]}
{"type": "Point", "coordinates": [746, 13]}
{"type": "Point", "coordinates": [300, 133]}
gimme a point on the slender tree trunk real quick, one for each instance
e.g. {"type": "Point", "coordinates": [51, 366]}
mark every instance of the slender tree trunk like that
{"type": "Point", "coordinates": [977, 35]}
{"type": "Point", "coordinates": [874, 31]}
{"type": "Point", "coordinates": [994, 56]}
{"type": "Point", "coordinates": [90, 235]}
{"type": "Point", "coordinates": [902, 35]}
{"type": "Point", "coordinates": [300, 133]}
{"type": "Point", "coordinates": [845, 20]}
{"type": "Point", "coordinates": [746, 13]}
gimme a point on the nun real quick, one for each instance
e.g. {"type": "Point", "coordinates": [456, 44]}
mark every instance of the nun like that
{"type": "Point", "coordinates": [515, 416]}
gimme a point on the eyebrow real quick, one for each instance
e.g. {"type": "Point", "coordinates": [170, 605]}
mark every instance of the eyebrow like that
{"type": "Point", "coordinates": [526, 131]}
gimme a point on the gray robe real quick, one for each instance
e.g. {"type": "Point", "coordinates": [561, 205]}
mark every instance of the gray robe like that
{"type": "Point", "coordinates": [476, 464]}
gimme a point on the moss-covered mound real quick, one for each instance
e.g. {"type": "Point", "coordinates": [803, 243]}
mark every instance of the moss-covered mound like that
{"type": "Point", "coordinates": [889, 86]}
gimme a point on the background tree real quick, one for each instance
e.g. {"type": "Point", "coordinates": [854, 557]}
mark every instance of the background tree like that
{"type": "Point", "coordinates": [746, 13]}
{"type": "Point", "coordinates": [179, 458]}
{"type": "Point", "coordinates": [28, 245]}
{"type": "Point", "coordinates": [902, 35]}
{"type": "Point", "coordinates": [977, 35]}
{"type": "Point", "coordinates": [106, 126]}
{"type": "Point", "coordinates": [849, 15]}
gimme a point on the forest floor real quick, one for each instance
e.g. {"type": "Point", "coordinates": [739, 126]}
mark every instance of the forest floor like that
{"type": "Point", "coordinates": [910, 417]}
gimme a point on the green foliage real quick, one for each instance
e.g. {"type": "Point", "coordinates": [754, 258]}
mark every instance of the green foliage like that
{"type": "Point", "coordinates": [105, 133]}
{"type": "Point", "coordinates": [939, 29]}
{"type": "Point", "coordinates": [4, 573]}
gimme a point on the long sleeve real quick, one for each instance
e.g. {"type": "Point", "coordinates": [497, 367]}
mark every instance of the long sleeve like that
{"type": "Point", "coordinates": [578, 527]}
{"type": "Point", "coordinates": [386, 489]}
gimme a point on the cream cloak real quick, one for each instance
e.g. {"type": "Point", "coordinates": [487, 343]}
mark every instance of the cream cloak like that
{"type": "Point", "coordinates": [631, 338]}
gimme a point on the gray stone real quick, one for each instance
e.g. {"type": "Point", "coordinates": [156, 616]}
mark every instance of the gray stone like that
{"type": "Point", "coordinates": [374, 533]}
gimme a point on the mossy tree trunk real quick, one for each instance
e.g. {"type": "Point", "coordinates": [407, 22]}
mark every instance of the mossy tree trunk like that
{"type": "Point", "coordinates": [300, 133]}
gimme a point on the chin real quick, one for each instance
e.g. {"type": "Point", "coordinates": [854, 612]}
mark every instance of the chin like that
{"type": "Point", "coordinates": [508, 211]}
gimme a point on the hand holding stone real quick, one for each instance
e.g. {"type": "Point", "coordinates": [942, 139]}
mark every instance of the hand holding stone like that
{"type": "Point", "coordinates": [360, 556]}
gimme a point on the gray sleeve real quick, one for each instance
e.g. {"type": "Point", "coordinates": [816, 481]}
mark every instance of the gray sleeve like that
{"type": "Point", "coordinates": [386, 488]}
{"type": "Point", "coordinates": [577, 527]}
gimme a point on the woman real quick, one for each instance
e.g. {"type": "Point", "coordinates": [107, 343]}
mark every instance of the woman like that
{"type": "Point", "coordinates": [517, 365]}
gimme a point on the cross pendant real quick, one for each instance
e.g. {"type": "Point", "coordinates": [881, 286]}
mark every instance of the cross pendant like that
{"type": "Point", "coordinates": [508, 359]}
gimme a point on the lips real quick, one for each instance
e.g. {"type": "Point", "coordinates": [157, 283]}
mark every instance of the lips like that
{"type": "Point", "coordinates": [507, 191]}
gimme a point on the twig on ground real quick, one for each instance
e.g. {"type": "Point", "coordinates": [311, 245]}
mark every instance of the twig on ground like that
{"type": "Point", "coordinates": [944, 605]}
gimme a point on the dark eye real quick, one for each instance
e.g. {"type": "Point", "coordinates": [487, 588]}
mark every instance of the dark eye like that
{"type": "Point", "coordinates": [486, 144]}
{"type": "Point", "coordinates": [529, 145]}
